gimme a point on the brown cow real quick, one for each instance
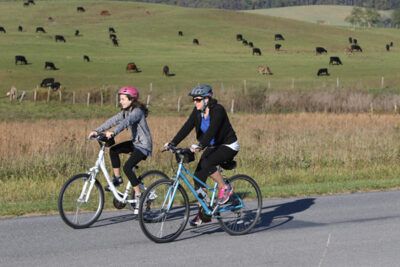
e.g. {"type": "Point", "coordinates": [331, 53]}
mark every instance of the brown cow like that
{"type": "Point", "coordinates": [348, 51]}
{"type": "Point", "coordinates": [105, 13]}
{"type": "Point", "coordinates": [264, 70]}
{"type": "Point", "coordinates": [132, 67]}
{"type": "Point", "coordinates": [166, 70]}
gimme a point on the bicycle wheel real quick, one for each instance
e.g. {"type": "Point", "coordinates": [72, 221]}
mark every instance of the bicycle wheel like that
{"type": "Point", "coordinates": [146, 179]}
{"type": "Point", "coordinates": [156, 222]}
{"type": "Point", "coordinates": [72, 205]}
{"type": "Point", "coordinates": [243, 209]}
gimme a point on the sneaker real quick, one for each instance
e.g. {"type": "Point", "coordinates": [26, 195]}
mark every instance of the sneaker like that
{"type": "Point", "coordinates": [224, 194]}
{"type": "Point", "coordinates": [136, 209]}
{"type": "Point", "coordinates": [117, 181]}
{"type": "Point", "coordinates": [196, 221]}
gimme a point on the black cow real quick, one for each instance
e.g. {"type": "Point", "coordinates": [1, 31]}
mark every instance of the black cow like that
{"type": "Point", "coordinates": [251, 44]}
{"type": "Point", "coordinates": [320, 50]}
{"type": "Point", "coordinates": [277, 47]}
{"type": "Point", "coordinates": [323, 72]}
{"type": "Point", "coordinates": [21, 59]}
{"type": "Point", "coordinates": [50, 65]}
{"type": "Point", "coordinates": [47, 82]}
{"type": "Point", "coordinates": [2, 29]}
{"type": "Point", "coordinates": [335, 61]}
{"type": "Point", "coordinates": [86, 58]}
{"type": "Point", "coordinates": [239, 37]}
{"type": "Point", "coordinates": [355, 41]}
{"type": "Point", "coordinates": [115, 42]}
{"type": "Point", "coordinates": [31, 2]}
{"type": "Point", "coordinates": [196, 41]}
{"type": "Point", "coordinates": [20, 28]}
{"type": "Point", "coordinates": [55, 86]}
{"type": "Point", "coordinates": [256, 51]}
{"type": "Point", "coordinates": [166, 70]}
{"type": "Point", "coordinates": [76, 32]}
{"type": "Point", "coordinates": [80, 9]}
{"type": "Point", "coordinates": [356, 48]}
{"type": "Point", "coordinates": [279, 37]}
{"type": "Point", "coordinates": [180, 33]}
{"type": "Point", "coordinates": [244, 42]}
{"type": "Point", "coordinates": [113, 36]}
{"type": "Point", "coordinates": [60, 38]}
{"type": "Point", "coordinates": [350, 40]}
{"type": "Point", "coordinates": [111, 30]}
{"type": "Point", "coordinates": [387, 47]}
{"type": "Point", "coordinates": [40, 29]}
{"type": "Point", "coordinates": [391, 43]}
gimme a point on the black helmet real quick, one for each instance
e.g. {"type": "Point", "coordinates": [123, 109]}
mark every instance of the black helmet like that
{"type": "Point", "coordinates": [201, 90]}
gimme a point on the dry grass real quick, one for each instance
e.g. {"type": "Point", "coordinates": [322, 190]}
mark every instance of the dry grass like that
{"type": "Point", "coordinates": [277, 150]}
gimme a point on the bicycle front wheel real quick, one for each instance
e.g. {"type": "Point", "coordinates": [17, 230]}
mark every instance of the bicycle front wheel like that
{"type": "Point", "coordinates": [243, 209]}
{"type": "Point", "coordinates": [80, 202]}
{"type": "Point", "coordinates": [162, 216]}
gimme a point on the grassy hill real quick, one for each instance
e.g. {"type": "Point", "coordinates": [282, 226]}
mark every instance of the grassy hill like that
{"type": "Point", "coordinates": [148, 36]}
{"type": "Point", "coordinates": [322, 14]}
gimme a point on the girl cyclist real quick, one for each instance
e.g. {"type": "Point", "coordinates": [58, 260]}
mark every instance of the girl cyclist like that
{"type": "Point", "coordinates": [133, 115]}
{"type": "Point", "coordinates": [215, 133]}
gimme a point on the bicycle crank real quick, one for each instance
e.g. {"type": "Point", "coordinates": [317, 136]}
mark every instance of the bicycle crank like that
{"type": "Point", "coordinates": [117, 204]}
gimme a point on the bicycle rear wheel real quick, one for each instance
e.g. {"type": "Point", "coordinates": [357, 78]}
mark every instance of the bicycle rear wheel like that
{"type": "Point", "coordinates": [146, 179]}
{"type": "Point", "coordinates": [159, 224]}
{"type": "Point", "coordinates": [72, 205]}
{"type": "Point", "coordinates": [243, 208]}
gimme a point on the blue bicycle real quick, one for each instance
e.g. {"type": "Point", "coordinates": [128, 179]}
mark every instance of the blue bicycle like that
{"type": "Point", "coordinates": [165, 212]}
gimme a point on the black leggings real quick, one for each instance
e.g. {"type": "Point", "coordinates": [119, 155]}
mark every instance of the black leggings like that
{"type": "Point", "coordinates": [211, 158]}
{"type": "Point", "coordinates": [135, 157]}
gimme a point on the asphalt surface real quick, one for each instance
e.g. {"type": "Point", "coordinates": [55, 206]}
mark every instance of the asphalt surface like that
{"type": "Point", "coordinates": [341, 230]}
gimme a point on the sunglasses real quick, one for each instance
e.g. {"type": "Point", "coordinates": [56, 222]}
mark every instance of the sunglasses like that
{"type": "Point", "coordinates": [198, 100]}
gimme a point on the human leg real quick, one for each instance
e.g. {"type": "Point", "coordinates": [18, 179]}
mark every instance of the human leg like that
{"type": "Point", "coordinates": [125, 148]}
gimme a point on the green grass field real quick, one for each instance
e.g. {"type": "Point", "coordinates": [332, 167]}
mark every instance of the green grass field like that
{"type": "Point", "coordinates": [148, 36]}
{"type": "Point", "coordinates": [323, 14]}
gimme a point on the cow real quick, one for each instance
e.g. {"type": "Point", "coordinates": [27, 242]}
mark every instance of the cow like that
{"type": "Point", "coordinates": [348, 51]}
{"type": "Point", "coordinates": [40, 29]}
{"type": "Point", "coordinates": [2, 29]}
{"type": "Point", "coordinates": [264, 70]}
{"type": "Point", "coordinates": [355, 41]}
{"type": "Point", "coordinates": [76, 32]}
{"type": "Point", "coordinates": [244, 42]}
{"type": "Point", "coordinates": [279, 37]}
{"type": "Point", "coordinates": [21, 59]}
{"type": "Point", "coordinates": [320, 50]}
{"type": "Point", "coordinates": [111, 30]}
{"type": "Point", "coordinates": [350, 40]}
{"type": "Point", "coordinates": [166, 70]}
{"type": "Point", "coordinates": [115, 42]}
{"type": "Point", "coordinates": [50, 18]}
{"type": "Point", "coordinates": [47, 82]}
{"type": "Point", "coordinates": [239, 37]}
{"type": "Point", "coordinates": [196, 41]}
{"type": "Point", "coordinates": [391, 43]}
{"type": "Point", "coordinates": [55, 86]}
{"type": "Point", "coordinates": [387, 47]}
{"type": "Point", "coordinates": [60, 38]}
{"type": "Point", "coordinates": [335, 61]}
{"type": "Point", "coordinates": [20, 28]}
{"type": "Point", "coordinates": [50, 65]}
{"type": "Point", "coordinates": [251, 44]}
{"type": "Point", "coordinates": [256, 51]}
{"type": "Point", "coordinates": [86, 58]}
{"type": "Point", "coordinates": [26, 4]}
{"type": "Point", "coordinates": [31, 2]}
{"type": "Point", "coordinates": [180, 33]}
{"type": "Point", "coordinates": [132, 67]}
{"type": "Point", "coordinates": [105, 13]}
{"type": "Point", "coordinates": [323, 72]}
{"type": "Point", "coordinates": [277, 47]}
{"type": "Point", "coordinates": [356, 48]}
{"type": "Point", "coordinates": [80, 9]}
{"type": "Point", "coordinates": [113, 36]}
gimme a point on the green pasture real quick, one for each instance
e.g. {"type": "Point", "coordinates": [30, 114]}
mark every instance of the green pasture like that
{"type": "Point", "coordinates": [148, 36]}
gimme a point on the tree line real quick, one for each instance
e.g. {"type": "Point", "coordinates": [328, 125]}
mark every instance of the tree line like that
{"type": "Point", "coordinates": [257, 4]}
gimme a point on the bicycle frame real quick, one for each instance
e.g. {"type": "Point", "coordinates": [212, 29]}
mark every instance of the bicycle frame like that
{"type": "Point", "coordinates": [180, 174]}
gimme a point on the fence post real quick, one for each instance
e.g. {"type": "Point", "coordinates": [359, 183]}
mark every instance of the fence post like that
{"type": "Point", "coordinates": [383, 82]}
{"type": "Point", "coordinates": [22, 96]}
{"type": "Point", "coordinates": [292, 83]}
{"type": "Point", "coordinates": [88, 99]}
{"type": "Point", "coordinates": [245, 87]}
{"type": "Point", "coordinates": [395, 108]}
{"type": "Point", "coordinates": [151, 87]}
{"type": "Point", "coordinates": [232, 105]}
{"type": "Point", "coordinates": [116, 100]}
{"type": "Point", "coordinates": [148, 101]}
{"type": "Point", "coordinates": [101, 98]}
{"type": "Point", "coordinates": [269, 84]}
{"type": "Point", "coordinates": [179, 103]}
{"type": "Point", "coordinates": [371, 107]}
{"type": "Point", "coordinates": [34, 96]}
{"type": "Point", "coordinates": [337, 82]}
{"type": "Point", "coordinates": [60, 95]}
{"type": "Point", "coordinates": [73, 97]}
{"type": "Point", "coordinates": [48, 94]}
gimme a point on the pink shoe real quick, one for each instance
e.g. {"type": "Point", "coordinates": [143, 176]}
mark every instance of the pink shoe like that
{"type": "Point", "coordinates": [224, 194]}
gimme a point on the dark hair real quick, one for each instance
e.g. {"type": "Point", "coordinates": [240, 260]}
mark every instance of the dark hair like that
{"type": "Point", "coordinates": [136, 104]}
{"type": "Point", "coordinates": [211, 102]}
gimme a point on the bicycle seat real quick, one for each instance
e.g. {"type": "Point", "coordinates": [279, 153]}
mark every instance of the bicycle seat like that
{"type": "Point", "coordinates": [228, 165]}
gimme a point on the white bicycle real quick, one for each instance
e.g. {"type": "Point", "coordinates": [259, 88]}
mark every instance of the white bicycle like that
{"type": "Point", "coordinates": [81, 199]}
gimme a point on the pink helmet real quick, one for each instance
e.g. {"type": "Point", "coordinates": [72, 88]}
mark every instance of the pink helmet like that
{"type": "Point", "coordinates": [129, 91]}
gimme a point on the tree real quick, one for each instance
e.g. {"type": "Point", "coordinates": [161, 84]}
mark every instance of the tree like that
{"type": "Point", "coordinates": [371, 17]}
{"type": "Point", "coordinates": [396, 16]}
{"type": "Point", "coordinates": [355, 17]}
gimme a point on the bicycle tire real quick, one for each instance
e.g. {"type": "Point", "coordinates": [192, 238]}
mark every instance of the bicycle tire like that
{"type": "Point", "coordinates": [147, 179]}
{"type": "Point", "coordinates": [240, 221]}
{"type": "Point", "coordinates": [156, 224]}
{"type": "Point", "coordinates": [77, 214]}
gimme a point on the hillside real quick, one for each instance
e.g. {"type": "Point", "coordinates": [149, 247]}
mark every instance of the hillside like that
{"type": "Point", "coordinates": [148, 36]}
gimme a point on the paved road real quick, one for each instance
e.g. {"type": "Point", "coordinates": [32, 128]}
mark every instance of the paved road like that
{"type": "Point", "coordinates": [342, 230]}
